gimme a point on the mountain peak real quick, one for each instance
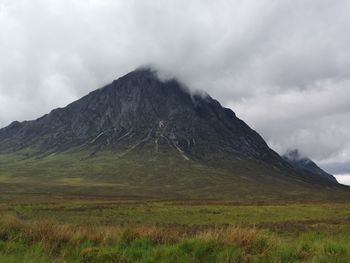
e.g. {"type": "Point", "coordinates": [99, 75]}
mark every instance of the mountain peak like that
{"type": "Point", "coordinates": [147, 80]}
{"type": "Point", "coordinates": [139, 112]}
{"type": "Point", "coordinates": [293, 155]}
{"type": "Point", "coordinates": [145, 108]}
{"type": "Point", "coordinates": [142, 72]}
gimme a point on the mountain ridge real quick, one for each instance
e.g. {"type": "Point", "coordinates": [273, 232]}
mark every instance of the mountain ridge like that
{"type": "Point", "coordinates": [141, 132]}
{"type": "Point", "coordinates": [81, 129]}
{"type": "Point", "coordinates": [303, 163]}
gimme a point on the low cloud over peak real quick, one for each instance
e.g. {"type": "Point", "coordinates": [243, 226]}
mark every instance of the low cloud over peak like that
{"type": "Point", "coordinates": [282, 66]}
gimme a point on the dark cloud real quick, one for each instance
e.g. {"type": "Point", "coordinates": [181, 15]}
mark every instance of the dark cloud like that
{"type": "Point", "coordinates": [283, 66]}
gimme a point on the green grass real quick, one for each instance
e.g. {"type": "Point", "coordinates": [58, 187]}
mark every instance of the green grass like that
{"type": "Point", "coordinates": [48, 228]}
{"type": "Point", "coordinates": [108, 210]}
{"type": "Point", "coordinates": [143, 175]}
{"type": "Point", "coordinates": [190, 250]}
{"type": "Point", "coordinates": [72, 207]}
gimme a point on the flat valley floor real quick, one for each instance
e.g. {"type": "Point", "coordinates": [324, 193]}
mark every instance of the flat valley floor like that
{"type": "Point", "coordinates": [52, 228]}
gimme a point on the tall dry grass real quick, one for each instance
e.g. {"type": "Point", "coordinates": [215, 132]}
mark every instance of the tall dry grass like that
{"type": "Point", "coordinates": [51, 232]}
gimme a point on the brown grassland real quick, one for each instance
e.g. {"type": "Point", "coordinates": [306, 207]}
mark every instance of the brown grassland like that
{"type": "Point", "coordinates": [47, 228]}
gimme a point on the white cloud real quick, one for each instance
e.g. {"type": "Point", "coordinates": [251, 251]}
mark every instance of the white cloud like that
{"type": "Point", "coordinates": [283, 66]}
{"type": "Point", "coordinates": [314, 119]}
{"type": "Point", "coordinates": [343, 178]}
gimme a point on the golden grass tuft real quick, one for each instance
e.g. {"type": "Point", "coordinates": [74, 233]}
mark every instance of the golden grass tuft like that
{"type": "Point", "coordinates": [230, 235]}
{"type": "Point", "coordinates": [51, 232]}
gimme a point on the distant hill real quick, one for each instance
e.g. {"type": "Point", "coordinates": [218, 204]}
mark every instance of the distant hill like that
{"type": "Point", "coordinates": [142, 136]}
{"type": "Point", "coordinates": [305, 164]}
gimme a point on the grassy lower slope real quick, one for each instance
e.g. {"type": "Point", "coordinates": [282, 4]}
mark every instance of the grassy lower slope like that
{"type": "Point", "coordinates": [166, 175]}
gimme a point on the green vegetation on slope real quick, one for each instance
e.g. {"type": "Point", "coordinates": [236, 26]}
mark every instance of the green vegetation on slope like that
{"type": "Point", "coordinates": [166, 175]}
{"type": "Point", "coordinates": [111, 207]}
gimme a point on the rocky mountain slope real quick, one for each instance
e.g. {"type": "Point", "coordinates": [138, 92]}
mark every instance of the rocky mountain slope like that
{"type": "Point", "coordinates": [140, 109]}
{"type": "Point", "coordinates": [140, 133]}
{"type": "Point", "coordinates": [305, 164]}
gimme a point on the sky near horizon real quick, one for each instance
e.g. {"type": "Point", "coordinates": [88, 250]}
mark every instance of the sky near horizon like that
{"type": "Point", "coordinates": [343, 178]}
{"type": "Point", "coordinates": [282, 66]}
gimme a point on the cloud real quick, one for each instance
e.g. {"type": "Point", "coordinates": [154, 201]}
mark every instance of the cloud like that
{"type": "Point", "coordinates": [336, 167]}
{"type": "Point", "coordinates": [314, 119]}
{"type": "Point", "coordinates": [343, 178]}
{"type": "Point", "coordinates": [283, 66]}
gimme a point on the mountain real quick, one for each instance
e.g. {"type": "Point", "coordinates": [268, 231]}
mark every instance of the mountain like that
{"type": "Point", "coordinates": [143, 136]}
{"type": "Point", "coordinates": [139, 109]}
{"type": "Point", "coordinates": [305, 164]}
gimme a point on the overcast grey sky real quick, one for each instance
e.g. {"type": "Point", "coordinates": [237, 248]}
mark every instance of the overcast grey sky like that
{"type": "Point", "coordinates": [282, 65]}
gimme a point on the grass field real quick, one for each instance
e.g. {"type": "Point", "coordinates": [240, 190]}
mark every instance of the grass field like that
{"type": "Point", "coordinates": [146, 175]}
{"type": "Point", "coordinates": [47, 228]}
{"type": "Point", "coordinates": [109, 207]}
